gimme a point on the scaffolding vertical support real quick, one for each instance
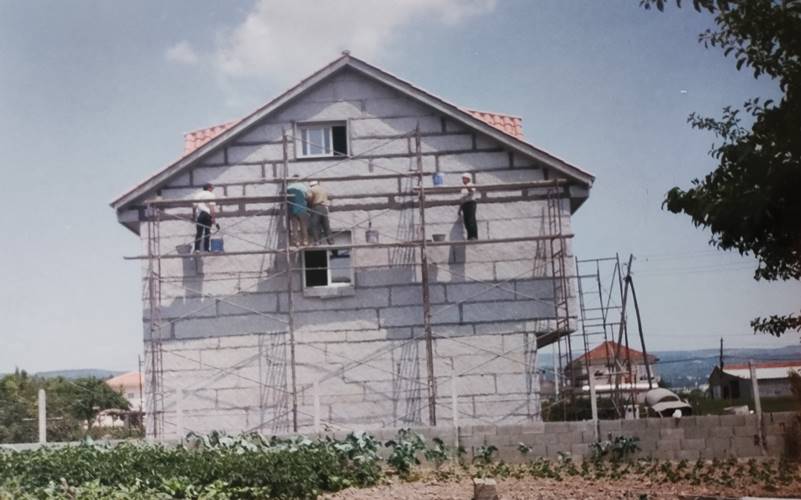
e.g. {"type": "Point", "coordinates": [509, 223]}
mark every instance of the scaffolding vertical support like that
{"type": "Point", "coordinates": [559, 280]}
{"type": "Point", "coordinates": [154, 304]}
{"type": "Point", "coordinates": [432, 385]}
{"type": "Point", "coordinates": [289, 273]}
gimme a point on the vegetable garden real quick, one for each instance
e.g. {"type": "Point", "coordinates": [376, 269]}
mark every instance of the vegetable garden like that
{"type": "Point", "coordinates": [252, 466]}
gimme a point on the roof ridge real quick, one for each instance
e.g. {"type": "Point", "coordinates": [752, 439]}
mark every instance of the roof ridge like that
{"type": "Point", "coordinates": [399, 84]}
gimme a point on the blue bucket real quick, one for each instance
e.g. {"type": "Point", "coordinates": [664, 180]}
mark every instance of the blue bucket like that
{"type": "Point", "coordinates": [439, 179]}
{"type": "Point", "coordinates": [216, 245]}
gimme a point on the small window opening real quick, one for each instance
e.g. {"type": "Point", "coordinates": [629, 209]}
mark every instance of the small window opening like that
{"type": "Point", "coordinates": [323, 140]}
{"type": "Point", "coordinates": [329, 268]}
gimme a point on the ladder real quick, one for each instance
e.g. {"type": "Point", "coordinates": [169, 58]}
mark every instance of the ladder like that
{"type": "Point", "coordinates": [558, 255]}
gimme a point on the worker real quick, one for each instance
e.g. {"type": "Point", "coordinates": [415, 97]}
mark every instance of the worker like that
{"type": "Point", "coordinates": [318, 207]}
{"type": "Point", "coordinates": [298, 196]}
{"type": "Point", "coordinates": [204, 213]}
{"type": "Point", "coordinates": [467, 208]}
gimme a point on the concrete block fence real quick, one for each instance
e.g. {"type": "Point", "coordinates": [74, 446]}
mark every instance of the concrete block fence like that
{"type": "Point", "coordinates": [706, 437]}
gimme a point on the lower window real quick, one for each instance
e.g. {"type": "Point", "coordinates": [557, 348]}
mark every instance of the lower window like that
{"type": "Point", "coordinates": [329, 268]}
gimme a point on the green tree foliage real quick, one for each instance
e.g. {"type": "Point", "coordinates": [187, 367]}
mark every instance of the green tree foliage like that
{"type": "Point", "coordinates": [72, 406]}
{"type": "Point", "coordinates": [752, 201]}
{"type": "Point", "coordinates": [89, 396]}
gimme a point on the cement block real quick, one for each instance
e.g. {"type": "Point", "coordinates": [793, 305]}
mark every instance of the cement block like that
{"type": "Point", "coordinates": [392, 107]}
{"type": "Point", "coordinates": [258, 153]}
{"type": "Point", "coordinates": [451, 142]}
{"type": "Point", "coordinates": [473, 161]}
{"type": "Point", "coordinates": [249, 303]}
{"type": "Point", "coordinates": [380, 147]}
{"type": "Point", "coordinates": [506, 310]}
{"type": "Point", "coordinates": [323, 321]}
{"type": "Point", "coordinates": [372, 127]}
{"type": "Point", "coordinates": [479, 292]}
{"type": "Point", "coordinates": [242, 397]}
{"type": "Point", "coordinates": [413, 295]}
{"type": "Point", "coordinates": [413, 315]}
{"type": "Point", "coordinates": [264, 132]}
{"type": "Point", "coordinates": [234, 173]}
{"type": "Point", "coordinates": [320, 111]}
{"type": "Point", "coordinates": [467, 346]}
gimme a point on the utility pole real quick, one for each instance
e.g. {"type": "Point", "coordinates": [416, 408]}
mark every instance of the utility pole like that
{"type": "Point", "coordinates": [721, 354]}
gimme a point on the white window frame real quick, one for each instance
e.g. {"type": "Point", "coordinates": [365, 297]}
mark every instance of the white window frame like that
{"type": "Point", "coordinates": [328, 130]}
{"type": "Point", "coordinates": [306, 144]}
{"type": "Point", "coordinates": [330, 289]}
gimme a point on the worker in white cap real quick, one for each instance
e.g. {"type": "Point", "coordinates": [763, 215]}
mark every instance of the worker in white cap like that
{"type": "Point", "coordinates": [467, 207]}
{"type": "Point", "coordinates": [318, 208]}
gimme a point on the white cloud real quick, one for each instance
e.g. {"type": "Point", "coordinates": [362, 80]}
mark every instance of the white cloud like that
{"type": "Point", "coordinates": [283, 40]}
{"type": "Point", "coordinates": [181, 53]}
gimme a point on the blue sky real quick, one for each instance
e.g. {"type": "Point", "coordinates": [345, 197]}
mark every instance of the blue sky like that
{"type": "Point", "coordinates": [95, 96]}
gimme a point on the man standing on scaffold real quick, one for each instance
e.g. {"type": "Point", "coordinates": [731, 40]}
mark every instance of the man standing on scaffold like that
{"type": "Point", "coordinates": [204, 212]}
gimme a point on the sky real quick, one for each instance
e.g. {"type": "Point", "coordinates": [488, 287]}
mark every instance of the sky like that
{"type": "Point", "coordinates": [96, 95]}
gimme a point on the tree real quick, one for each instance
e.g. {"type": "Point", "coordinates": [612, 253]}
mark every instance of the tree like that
{"type": "Point", "coordinates": [72, 406]}
{"type": "Point", "coordinates": [751, 202]}
{"type": "Point", "coordinates": [90, 396]}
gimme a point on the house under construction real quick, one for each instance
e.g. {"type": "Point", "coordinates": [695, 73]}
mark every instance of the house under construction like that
{"type": "Point", "coordinates": [402, 320]}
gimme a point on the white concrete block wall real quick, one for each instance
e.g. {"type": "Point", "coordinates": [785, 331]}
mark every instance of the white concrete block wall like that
{"type": "Point", "coordinates": [225, 318]}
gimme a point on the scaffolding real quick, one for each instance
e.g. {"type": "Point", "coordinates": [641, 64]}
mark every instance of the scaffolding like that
{"type": "Point", "coordinates": [603, 295]}
{"type": "Point", "coordinates": [552, 247]}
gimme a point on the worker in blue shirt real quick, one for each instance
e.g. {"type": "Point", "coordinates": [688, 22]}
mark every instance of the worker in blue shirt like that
{"type": "Point", "coordinates": [298, 195]}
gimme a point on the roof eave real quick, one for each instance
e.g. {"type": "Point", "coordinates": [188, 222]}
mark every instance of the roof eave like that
{"type": "Point", "coordinates": [584, 178]}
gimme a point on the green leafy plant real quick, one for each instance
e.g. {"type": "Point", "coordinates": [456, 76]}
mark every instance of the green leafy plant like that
{"type": "Point", "coordinates": [405, 447]}
{"type": "Point", "coordinates": [438, 453]}
{"type": "Point", "coordinates": [616, 448]}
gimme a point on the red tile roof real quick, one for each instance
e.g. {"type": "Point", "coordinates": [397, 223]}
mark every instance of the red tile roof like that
{"type": "Point", "coordinates": [197, 138]}
{"type": "Point", "coordinates": [126, 380]}
{"type": "Point", "coordinates": [787, 363]}
{"type": "Point", "coordinates": [608, 349]}
{"type": "Point", "coordinates": [512, 125]}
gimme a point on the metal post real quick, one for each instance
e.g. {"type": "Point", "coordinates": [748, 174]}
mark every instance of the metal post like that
{"type": "Point", "coordinates": [455, 411]}
{"type": "Point", "coordinates": [290, 304]}
{"type": "Point", "coordinates": [639, 328]}
{"type": "Point", "coordinates": [555, 373]}
{"type": "Point", "coordinates": [593, 404]}
{"type": "Point", "coordinates": [621, 332]}
{"type": "Point", "coordinates": [432, 386]}
{"type": "Point", "coordinates": [757, 403]}
{"type": "Point", "coordinates": [316, 390]}
{"type": "Point", "coordinates": [179, 415]}
{"type": "Point", "coordinates": [454, 399]}
{"type": "Point", "coordinates": [42, 417]}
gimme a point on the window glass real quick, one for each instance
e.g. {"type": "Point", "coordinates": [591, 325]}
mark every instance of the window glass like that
{"type": "Point", "coordinates": [323, 140]}
{"type": "Point", "coordinates": [332, 268]}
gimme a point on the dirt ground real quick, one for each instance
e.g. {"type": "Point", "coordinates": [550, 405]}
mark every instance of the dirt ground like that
{"type": "Point", "coordinates": [573, 487]}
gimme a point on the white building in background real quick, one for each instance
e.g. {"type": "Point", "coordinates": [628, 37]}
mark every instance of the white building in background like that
{"type": "Point", "coordinates": [130, 385]}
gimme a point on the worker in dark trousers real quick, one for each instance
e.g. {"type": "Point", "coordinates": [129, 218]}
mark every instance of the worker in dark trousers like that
{"type": "Point", "coordinates": [204, 213]}
{"type": "Point", "coordinates": [467, 209]}
{"type": "Point", "coordinates": [318, 207]}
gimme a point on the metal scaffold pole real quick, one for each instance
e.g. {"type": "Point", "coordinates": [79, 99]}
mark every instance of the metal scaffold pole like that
{"type": "Point", "coordinates": [154, 304]}
{"type": "Point", "coordinates": [432, 385]}
{"type": "Point", "coordinates": [290, 303]}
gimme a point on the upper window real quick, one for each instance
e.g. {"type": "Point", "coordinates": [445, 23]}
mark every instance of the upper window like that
{"type": "Point", "coordinates": [318, 140]}
{"type": "Point", "coordinates": [329, 268]}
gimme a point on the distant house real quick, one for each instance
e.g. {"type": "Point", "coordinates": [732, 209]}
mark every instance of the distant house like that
{"type": "Point", "coordinates": [734, 381]}
{"type": "Point", "coordinates": [130, 386]}
{"type": "Point", "coordinates": [607, 374]}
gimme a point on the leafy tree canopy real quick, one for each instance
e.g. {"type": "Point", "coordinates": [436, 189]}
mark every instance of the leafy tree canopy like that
{"type": "Point", "coordinates": [751, 202]}
{"type": "Point", "coordinates": [72, 406]}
